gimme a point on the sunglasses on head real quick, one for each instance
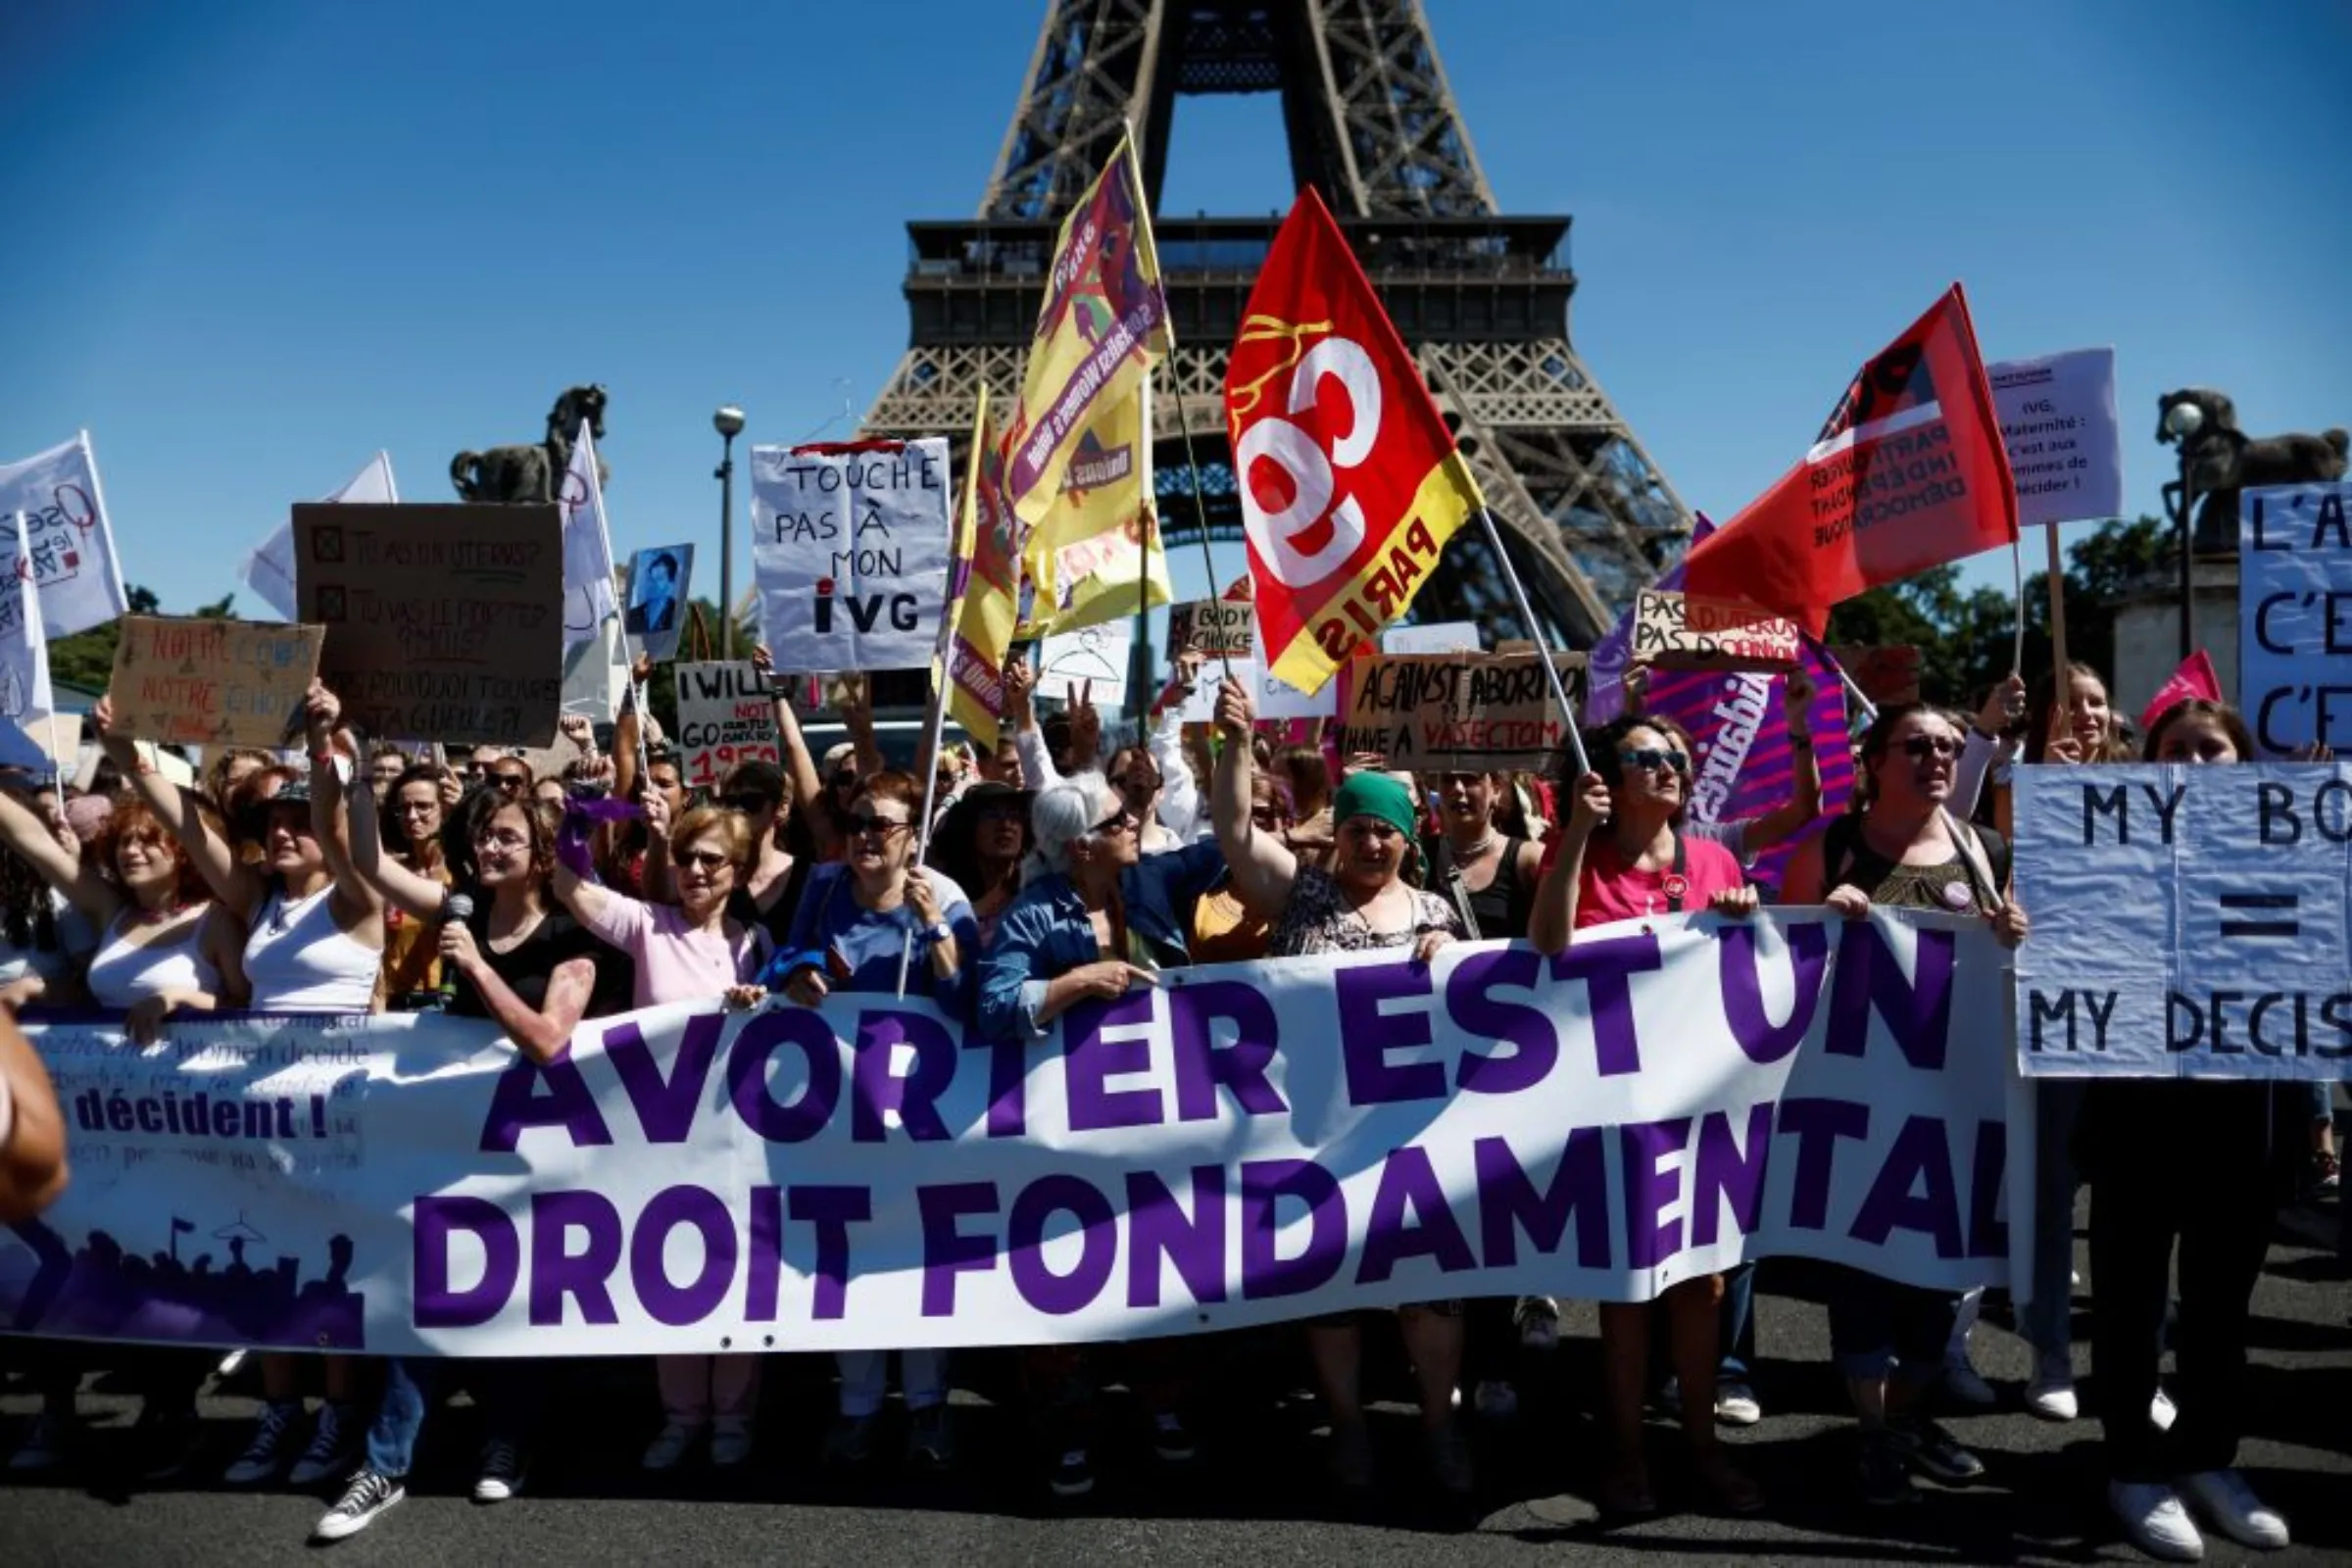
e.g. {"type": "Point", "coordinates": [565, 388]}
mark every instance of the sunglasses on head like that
{"type": "Point", "coordinates": [1919, 746]}
{"type": "Point", "coordinates": [1650, 759]}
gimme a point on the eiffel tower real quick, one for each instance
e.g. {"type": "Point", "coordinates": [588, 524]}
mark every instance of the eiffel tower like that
{"type": "Point", "coordinates": [1481, 299]}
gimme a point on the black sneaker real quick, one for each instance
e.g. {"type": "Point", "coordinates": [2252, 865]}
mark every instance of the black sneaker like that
{"type": "Point", "coordinates": [501, 1473]}
{"type": "Point", "coordinates": [1171, 1439]}
{"type": "Point", "coordinates": [164, 1442]}
{"type": "Point", "coordinates": [1073, 1475]}
{"type": "Point", "coordinates": [367, 1498]}
{"type": "Point", "coordinates": [1885, 1477]}
{"type": "Point", "coordinates": [1935, 1453]}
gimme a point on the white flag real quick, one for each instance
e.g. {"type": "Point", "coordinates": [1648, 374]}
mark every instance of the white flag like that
{"type": "Point", "coordinates": [270, 570]}
{"type": "Point", "coordinates": [67, 534]}
{"type": "Point", "coordinates": [587, 547]}
{"type": "Point", "coordinates": [26, 701]}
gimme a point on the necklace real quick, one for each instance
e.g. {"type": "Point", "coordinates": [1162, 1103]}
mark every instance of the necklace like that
{"type": "Point", "coordinates": [1479, 848]}
{"type": "Point", "coordinates": [157, 917]}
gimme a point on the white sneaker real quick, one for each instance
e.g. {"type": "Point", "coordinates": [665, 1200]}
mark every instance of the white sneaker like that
{"type": "Point", "coordinates": [2051, 1394]}
{"type": "Point", "coordinates": [2229, 1505]}
{"type": "Point", "coordinates": [730, 1441]}
{"type": "Point", "coordinates": [369, 1497]}
{"type": "Point", "coordinates": [1735, 1405]}
{"type": "Point", "coordinates": [1966, 1384]}
{"type": "Point", "coordinates": [669, 1448]}
{"type": "Point", "coordinates": [2152, 1516]}
{"type": "Point", "coordinates": [1495, 1400]}
{"type": "Point", "coordinates": [2163, 1411]}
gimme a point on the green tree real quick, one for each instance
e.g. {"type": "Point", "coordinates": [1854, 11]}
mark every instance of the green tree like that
{"type": "Point", "coordinates": [87, 658]}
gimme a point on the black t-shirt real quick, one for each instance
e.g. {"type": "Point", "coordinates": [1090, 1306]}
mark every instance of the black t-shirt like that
{"type": "Point", "coordinates": [776, 918]}
{"type": "Point", "coordinates": [532, 963]}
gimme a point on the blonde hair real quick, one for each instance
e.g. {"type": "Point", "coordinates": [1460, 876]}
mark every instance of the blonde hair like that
{"type": "Point", "coordinates": [730, 826]}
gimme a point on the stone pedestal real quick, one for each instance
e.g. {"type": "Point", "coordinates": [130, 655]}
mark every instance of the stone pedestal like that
{"type": "Point", "coordinates": [2147, 634]}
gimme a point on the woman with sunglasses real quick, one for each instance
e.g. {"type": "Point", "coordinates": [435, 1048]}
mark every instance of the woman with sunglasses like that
{"type": "Point", "coordinates": [1904, 849]}
{"type": "Point", "coordinates": [166, 949]}
{"type": "Point", "coordinates": [980, 845]}
{"type": "Point", "coordinates": [860, 920]}
{"type": "Point", "coordinates": [1363, 903]}
{"type": "Point", "coordinates": [691, 951]}
{"type": "Point", "coordinates": [2204, 1166]}
{"type": "Point", "coordinates": [315, 943]}
{"type": "Point", "coordinates": [519, 960]}
{"type": "Point", "coordinates": [416, 803]}
{"type": "Point", "coordinates": [774, 882]}
{"type": "Point", "coordinates": [1623, 855]}
{"type": "Point", "coordinates": [1095, 919]}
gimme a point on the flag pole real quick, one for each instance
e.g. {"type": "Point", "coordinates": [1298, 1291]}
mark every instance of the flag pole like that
{"type": "Point", "coordinates": [1184, 421]}
{"type": "Point", "coordinates": [2057, 609]}
{"type": "Point", "coordinates": [1870, 709]}
{"type": "Point", "coordinates": [2017, 575]}
{"type": "Point", "coordinates": [922, 842]}
{"type": "Point", "coordinates": [58, 770]}
{"type": "Point", "coordinates": [1535, 632]}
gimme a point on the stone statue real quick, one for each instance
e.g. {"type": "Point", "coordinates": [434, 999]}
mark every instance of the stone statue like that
{"type": "Point", "coordinates": [522, 473]}
{"type": "Point", "coordinates": [2222, 459]}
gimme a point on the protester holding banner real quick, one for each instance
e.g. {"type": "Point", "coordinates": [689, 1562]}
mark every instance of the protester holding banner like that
{"type": "Point", "coordinates": [1362, 903]}
{"type": "Point", "coordinates": [2205, 1165]}
{"type": "Point", "coordinates": [411, 977]}
{"type": "Point", "coordinates": [1095, 919]}
{"type": "Point", "coordinates": [166, 946]}
{"type": "Point", "coordinates": [692, 950]}
{"type": "Point", "coordinates": [1905, 849]}
{"type": "Point", "coordinates": [36, 963]}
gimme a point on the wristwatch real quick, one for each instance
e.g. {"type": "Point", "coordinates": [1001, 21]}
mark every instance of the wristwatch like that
{"type": "Point", "coordinates": [937, 932]}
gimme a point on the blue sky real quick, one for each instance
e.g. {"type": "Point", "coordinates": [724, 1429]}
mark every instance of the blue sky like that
{"type": "Point", "coordinates": [252, 243]}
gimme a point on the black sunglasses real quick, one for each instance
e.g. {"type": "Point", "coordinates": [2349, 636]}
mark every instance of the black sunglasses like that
{"type": "Point", "coordinates": [1650, 759]}
{"type": "Point", "coordinates": [867, 822]}
{"type": "Point", "coordinates": [1922, 745]}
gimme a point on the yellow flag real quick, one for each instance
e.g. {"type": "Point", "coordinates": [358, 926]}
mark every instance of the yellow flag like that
{"type": "Point", "coordinates": [1096, 555]}
{"type": "Point", "coordinates": [982, 607]}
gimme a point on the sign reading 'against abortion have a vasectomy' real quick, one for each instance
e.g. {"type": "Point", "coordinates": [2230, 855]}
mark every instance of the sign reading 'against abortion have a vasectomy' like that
{"type": "Point", "coordinates": [2188, 921]}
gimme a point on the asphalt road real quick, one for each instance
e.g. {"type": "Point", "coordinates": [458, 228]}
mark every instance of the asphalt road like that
{"type": "Point", "coordinates": [1256, 1493]}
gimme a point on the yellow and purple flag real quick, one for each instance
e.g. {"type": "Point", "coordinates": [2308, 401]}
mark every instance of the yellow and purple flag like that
{"type": "Point", "coordinates": [1095, 554]}
{"type": "Point", "coordinates": [982, 589]}
{"type": "Point", "coordinates": [1103, 322]}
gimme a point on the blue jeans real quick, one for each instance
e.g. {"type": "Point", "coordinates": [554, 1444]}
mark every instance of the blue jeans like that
{"type": "Point", "coordinates": [508, 1391]}
{"type": "Point", "coordinates": [1881, 1330]}
{"type": "Point", "coordinates": [2047, 1320]}
{"type": "Point", "coordinates": [1739, 1331]}
{"type": "Point", "coordinates": [865, 1380]}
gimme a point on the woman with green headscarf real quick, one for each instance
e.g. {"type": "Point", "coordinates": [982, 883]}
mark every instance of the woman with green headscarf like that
{"type": "Point", "coordinates": [1362, 903]}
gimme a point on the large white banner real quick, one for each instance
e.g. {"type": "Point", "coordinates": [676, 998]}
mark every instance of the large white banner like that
{"type": "Point", "coordinates": [2065, 448]}
{"type": "Point", "coordinates": [2188, 921]}
{"type": "Point", "coordinates": [1233, 1144]}
{"type": "Point", "coordinates": [2294, 622]}
{"type": "Point", "coordinates": [27, 703]}
{"type": "Point", "coordinates": [67, 534]}
{"type": "Point", "coordinates": [849, 547]}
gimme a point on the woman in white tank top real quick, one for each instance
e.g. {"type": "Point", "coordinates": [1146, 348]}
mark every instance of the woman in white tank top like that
{"type": "Point", "coordinates": [315, 936]}
{"type": "Point", "coordinates": [166, 947]}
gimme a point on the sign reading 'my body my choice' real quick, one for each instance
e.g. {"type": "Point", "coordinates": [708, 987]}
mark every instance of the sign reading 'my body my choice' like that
{"type": "Point", "coordinates": [1244, 1143]}
{"type": "Point", "coordinates": [850, 545]}
{"type": "Point", "coordinates": [2188, 921]}
{"type": "Point", "coordinates": [443, 622]}
{"type": "Point", "coordinates": [2294, 573]}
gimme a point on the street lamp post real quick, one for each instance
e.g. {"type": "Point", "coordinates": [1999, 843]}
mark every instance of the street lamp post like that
{"type": "Point", "coordinates": [2183, 421]}
{"type": "Point", "coordinates": [728, 422]}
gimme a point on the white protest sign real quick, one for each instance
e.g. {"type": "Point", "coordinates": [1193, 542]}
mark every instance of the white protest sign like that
{"type": "Point", "coordinates": [725, 716]}
{"type": "Point", "coordinates": [1068, 661]}
{"type": "Point", "coordinates": [1432, 637]}
{"type": "Point", "coordinates": [2294, 622]}
{"type": "Point", "coordinates": [849, 547]}
{"type": "Point", "coordinates": [67, 534]}
{"type": "Point", "coordinates": [2066, 450]}
{"type": "Point", "coordinates": [2188, 921]}
{"type": "Point", "coordinates": [27, 704]}
{"type": "Point", "coordinates": [1242, 1144]}
{"type": "Point", "coordinates": [1276, 699]}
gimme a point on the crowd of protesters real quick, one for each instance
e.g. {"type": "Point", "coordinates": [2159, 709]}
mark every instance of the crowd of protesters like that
{"type": "Point", "coordinates": [1062, 868]}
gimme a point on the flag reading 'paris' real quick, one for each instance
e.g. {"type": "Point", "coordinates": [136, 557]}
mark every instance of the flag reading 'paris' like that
{"type": "Point", "coordinates": [1351, 483]}
{"type": "Point", "coordinates": [1909, 473]}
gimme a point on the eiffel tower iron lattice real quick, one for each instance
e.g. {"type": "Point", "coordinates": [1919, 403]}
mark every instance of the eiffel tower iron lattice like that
{"type": "Point", "coordinates": [1482, 298]}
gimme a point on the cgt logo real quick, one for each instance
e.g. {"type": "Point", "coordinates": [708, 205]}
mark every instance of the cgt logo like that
{"type": "Point", "coordinates": [1300, 519]}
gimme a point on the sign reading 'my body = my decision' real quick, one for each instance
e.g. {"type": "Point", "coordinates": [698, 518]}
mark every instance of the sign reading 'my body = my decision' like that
{"type": "Point", "coordinates": [2188, 921]}
{"type": "Point", "coordinates": [726, 716]}
{"type": "Point", "coordinates": [214, 682]}
{"type": "Point", "coordinates": [443, 622]}
{"type": "Point", "coordinates": [2295, 615]}
{"type": "Point", "coordinates": [850, 546]}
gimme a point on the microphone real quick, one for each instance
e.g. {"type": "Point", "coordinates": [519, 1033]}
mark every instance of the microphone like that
{"type": "Point", "coordinates": [456, 907]}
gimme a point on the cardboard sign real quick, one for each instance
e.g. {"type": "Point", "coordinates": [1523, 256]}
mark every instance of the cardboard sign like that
{"type": "Point", "coordinates": [2187, 922]}
{"type": "Point", "coordinates": [443, 622]}
{"type": "Point", "coordinates": [1457, 712]}
{"type": "Point", "coordinates": [656, 612]}
{"type": "Point", "coordinates": [1675, 631]}
{"type": "Point", "coordinates": [725, 716]}
{"type": "Point", "coordinates": [850, 550]}
{"type": "Point", "coordinates": [1221, 628]}
{"type": "Point", "coordinates": [2066, 450]}
{"type": "Point", "coordinates": [187, 681]}
{"type": "Point", "coordinates": [1888, 674]}
{"type": "Point", "coordinates": [2294, 622]}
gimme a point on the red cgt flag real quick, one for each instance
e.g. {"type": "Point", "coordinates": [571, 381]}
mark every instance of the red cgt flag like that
{"type": "Point", "coordinates": [1351, 482]}
{"type": "Point", "coordinates": [1910, 472]}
